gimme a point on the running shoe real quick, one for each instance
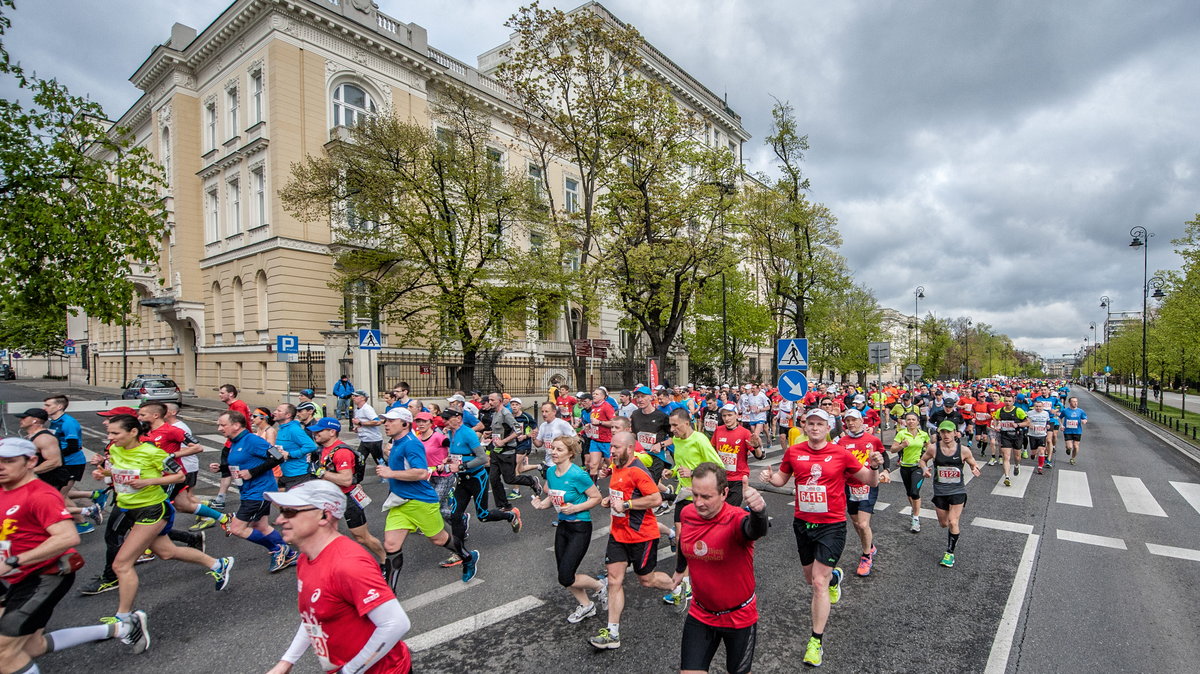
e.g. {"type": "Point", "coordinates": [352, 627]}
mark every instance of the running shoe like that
{"type": "Point", "coordinates": [139, 632]}
{"type": "Point", "coordinates": [1049, 465]}
{"type": "Point", "coordinates": [1007, 482]}
{"type": "Point", "coordinates": [516, 521]}
{"type": "Point", "coordinates": [221, 575]}
{"type": "Point", "coordinates": [538, 488]}
{"type": "Point", "coordinates": [916, 525]}
{"type": "Point", "coordinates": [1039, 471]}
{"type": "Point", "coordinates": [198, 542]}
{"type": "Point", "coordinates": [225, 521]}
{"type": "Point", "coordinates": [1025, 454]}
{"type": "Point", "coordinates": [673, 541]}
{"type": "Point", "coordinates": [992, 461]}
{"type": "Point", "coordinates": [662, 509]}
{"type": "Point", "coordinates": [1072, 462]}
{"type": "Point", "coordinates": [98, 586]}
{"type": "Point", "coordinates": [470, 566]}
{"type": "Point", "coordinates": [147, 556]}
{"type": "Point", "coordinates": [947, 560]}
{"type": "Point", "coordinates": [94, 513]}
{"type": "Point", "coordinates": [202, 523]}
{"type": "Point", "coordinates": [282, 558]}
{"type": "Point", "coordinates": [513, 494]}
{"type": "Point", "coordinates": [85, 528]}
{"type": "Point", "coordinates": [452, 561]}
{"type": "Point", "coordinates": [1017, 468]}
{"type": "Point", "coordinates": [685, 595]}
{"type": "Point", "coordinates": [218, 503]}
{"type": "Point", "coordinates": [601, 595]}
{"type": "Point", "coordinates": [554, 522]}
{"type": "Point", "coordinates": [874, 551]}
{"type": "Point", "coordinates": [100, 497]}
{"type": "Point", "coordinates": [581, 612]}
{"type": "Point", "coordinates": [864, 566]}
{"type": "Point", "coordinates": [812, 652]}
{"type": "Point", "coordinates": [835, 591]}
{"type": "Point", "coordinates": [605, 640]}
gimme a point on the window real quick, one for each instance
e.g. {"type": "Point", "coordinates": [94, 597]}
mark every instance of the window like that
{"type": "Point", "coordinates": [571, 195]}
{"type": "Point", "coordinates": [495, 156]}
{"type": "Point", "coordinates": [235, 207]}
{"type": "Point", "coordinates": [210, 122]}
{"type": "Point", "coordinates": [536, 241]}
{"type": "Point", "coordinates": [212, 217]}
{"type": "Point", "coordinates": [359, 304]}
{"type": "Point", "coordinates": [536, 183]}
{"type": "Point", "coordinates": [258, 207]}
{"type": "Point", "coordinates": [260, 292]}
{"type": "Point", "coordinates": [256, 95]}
{"type": "Point", "coordinates": [166, 155]}
{"type": "Point", "coordinates": [239, 306]}
{"type": "Point", "coordinates": [350, 105]}
{"type": "Point", "coordinates": [231, 98]}
{"type": "Point", "coordinates": [218, 310]}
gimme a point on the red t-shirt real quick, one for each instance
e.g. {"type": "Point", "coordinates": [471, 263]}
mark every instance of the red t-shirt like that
{"type": "Point", "coordinates": [732, 446]}
{"type": "Point", "coordinates": [601, 411]}
{"type": "Point", "coordinates": [28, 511]}
{"type": "Point", "coordinates": [336, 592]}
{"type": "Point", "coordinates": [721, 562]}
{"type": "Point", "coordinates": [982, 412]}
{"type": "Point", "coordinates": [342, 460]}
{"type": "Point", "coordinates": [820, 480]}
{"type": "Point", "coordinates": [861, 447]}
{"type": "Point", "coordinates": [166, 437]}
{"type": "Point", "coordinates": [628, 483]}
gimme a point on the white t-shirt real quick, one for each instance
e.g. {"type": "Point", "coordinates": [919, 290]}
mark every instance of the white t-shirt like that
{"type": "Point", "coordinates": [756, 406]}
{"type": "Point", "coordinates": [368, 433]}
{"type": "Point", "coordinates": [191, 462]}
{"type": "Point", "coordinates": [549, 430]}
{"type": "Point", "coordinates": [627, 410]}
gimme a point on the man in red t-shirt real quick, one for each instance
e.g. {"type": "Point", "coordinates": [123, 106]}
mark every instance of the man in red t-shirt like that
{"type": "Point", "coordinates": [633, 536]}
{"type": "Point", "coordinates": [38, 565]}
{"type": "Point", "coordinates": [348, 614]}
{"type": "Point", "coordinates": [820, 469]}
{"type": "Point", "coordinates": [860, 497]}
{"type": "Point", "coordinates": [716, 544]}
{"type": "Point", "coordinates": [733, 442]}
{"type": "Point", "coordinates": [599, 431]}
{"type": "Point", "coordinates": [228, 394]}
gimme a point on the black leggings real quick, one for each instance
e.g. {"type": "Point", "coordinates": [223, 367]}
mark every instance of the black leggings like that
{"type": "Point", "coordinates": [913, 479]}
{"type": "Point", "coordinates": [472, 486]}
{"type": "Point", "coordinates": [503, 469]}
{"type": "Point", "coordinates": [571, 540]}
{"type": "Point", "coordinates": [700, 641]}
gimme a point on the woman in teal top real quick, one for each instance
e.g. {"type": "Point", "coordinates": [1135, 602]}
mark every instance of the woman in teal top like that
{"type": "Point", "coordinates": [910, 443]}
{"type": "Point", "coordinates": [572, 494]}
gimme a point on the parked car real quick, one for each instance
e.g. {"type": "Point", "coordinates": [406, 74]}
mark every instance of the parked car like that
{"type": "Point", "coordinates": [153, 387]}
{"type": "Point", "coordinates": [7, 371]}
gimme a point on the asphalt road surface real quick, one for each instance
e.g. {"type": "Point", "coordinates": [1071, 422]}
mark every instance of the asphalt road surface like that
{"type": "Point", "coordinates": [1086, 568]}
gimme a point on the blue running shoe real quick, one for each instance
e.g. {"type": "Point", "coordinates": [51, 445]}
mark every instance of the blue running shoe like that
{"type": "Point", "coordinates": [100, 497]}
{"type": "Point", "coordinates": [221, 575]}
{"type": "Point", "coordinates": [85, 528]}
{"type": "Point", "coordinates": [470, 566]}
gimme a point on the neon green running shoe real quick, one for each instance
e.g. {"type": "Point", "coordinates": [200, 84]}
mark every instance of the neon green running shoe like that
{"type": "Point", "coordinates": [947, 560]}
{"type": "Point", "coordinates": [835, 591]}
{"type": "Point", "coordinates": [812, 653]}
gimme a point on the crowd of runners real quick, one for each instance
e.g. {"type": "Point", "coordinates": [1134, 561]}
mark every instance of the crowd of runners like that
{"type": "Point", "coordinates": [683, 454]}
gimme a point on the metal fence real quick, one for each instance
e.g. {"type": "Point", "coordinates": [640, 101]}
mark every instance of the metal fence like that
{"type": "Point", "coordinates": [308, 371]}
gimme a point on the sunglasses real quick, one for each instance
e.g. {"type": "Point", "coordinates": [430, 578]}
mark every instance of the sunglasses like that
{"type": "Point", "coordinates": [258, 416]}
{"type": "Point", "coordinates": [289, 513]}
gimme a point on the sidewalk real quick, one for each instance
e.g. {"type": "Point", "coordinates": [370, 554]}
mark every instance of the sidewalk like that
{"type": "Point", "coordinates": [1179, 442]}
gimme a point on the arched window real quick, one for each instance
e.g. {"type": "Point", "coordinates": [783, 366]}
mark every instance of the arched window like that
{"type": "Point", "coordinates": [218, 324]}
{"type": "Point", "coordinates": [350, 104]}
{"type": "Point", "coordinates": [260, 292]}
{"type": "Point", "coordinates": [239, 306]}
{"type": "Point", "coordinates": [166, 155]}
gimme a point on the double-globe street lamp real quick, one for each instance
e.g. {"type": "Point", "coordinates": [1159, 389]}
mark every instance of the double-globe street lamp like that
{"type": "Point", "coordinates": [1106, 304]}
{"type": "Point", "coordinates": [918, 295]}
{"type": "Point", "coordinates": [1141, 239]}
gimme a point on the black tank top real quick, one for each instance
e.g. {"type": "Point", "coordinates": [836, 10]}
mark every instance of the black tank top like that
{"type": "Point", "coordinates": [35, 435]}
{"type": "Point", "coordinates": [948, 472]}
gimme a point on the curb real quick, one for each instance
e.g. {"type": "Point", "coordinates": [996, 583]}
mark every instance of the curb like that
{"type": "Point", "coordinates": [1186, 449]}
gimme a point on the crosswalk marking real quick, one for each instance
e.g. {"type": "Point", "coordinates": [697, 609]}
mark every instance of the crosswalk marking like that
{"type": "Point", "coordinates": [1190, 491]}
{"type": "Point", "coordinates": [472, 624]}
{"type": "Point", "coordinates": [214, 437]}
{"type": "Point", "coordinates": [1137, 497]}
{"type": "Point", "coordinates": [1002, 525]}
{"type": "Point", "coordinates": [1091, 539]}
{"type": "Point", "coordinates": [1073, 488]}
{"type": "Point", "coordinates": [1169, 551]}
{"type": "Point", "coordinates": [436, 594]}
{"type": "Point", "coordinates": [1019, 482]}
{"type": "Point", "coordinates": [907, 510]}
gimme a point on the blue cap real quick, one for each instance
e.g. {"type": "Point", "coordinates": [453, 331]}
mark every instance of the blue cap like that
{"type": "Point", "coordinates": [642, 390]}
{"type": "Point", "coordinates": [308, 393]}
{"type": "Point", "coordinates": [326, 423]}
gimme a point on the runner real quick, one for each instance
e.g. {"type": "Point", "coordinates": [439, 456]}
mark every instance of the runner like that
{"type": "Point", "coordinates": [633, 537]}
{"type": "Point", "coordinates": [38, 567]}
{"type": "Point", "coordinates": [551, 427]}
{"type": "Point", "coordinates": [179, 444]}
{"type": "Point", "coordinates": [860, 497]}
{"type": "Point", "coordinates": [820, 470]}
{"type": "Point", "coordinates": [143, 515]}
{"type": "Point", "coordinates": [949, 486]}
{"type": "Point", "coordinates": [228, 393]}
{"type": "Point", "coordinates": [652, 430]}
{"type": "Point", "coordinates": [70, 444]}
{"type": "Point", "coordinates": [981, 413]}
{"type": "Point", "coordinates": [756, 406]}
{"type": "Point", "coordinates": [1074, 419]}
{"type": "Point", "coordinates": [691, 449]}
{"type": "Point", "coordinates": [717, 549]}
{"type": "Point", "coordinates": [348, 614]}
{"type": "Point", "coordinates": [572, 494]}
{"type": "Point", "coordinates": [297, 445]}
{"type": "Point", "coordinates": [412, 504]}
{"type": "Point", "coordinates": [599, 431]}
{"type": "Point", "coordinates": [365, 423]}
{"type": "Point", "coordinates": [338, 463]}
{"type": "Point", "coordinates": [732, 442]}
{"type": "Point", "coordinates": [49, 467]}
{"type": "Point", "coordinates": [1039, 428]}
{"type": "Point", "coordinates": [910, 442]}
{"type": "Point", "coordinates": [1008, 420]}
{"type": "Point", "coordinates": [437, 455]}
{"type": "Point", "coordinates": [470, 464]}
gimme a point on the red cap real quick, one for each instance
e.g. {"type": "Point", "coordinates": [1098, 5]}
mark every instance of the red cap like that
{"type": "Point", "coordinates": [426, 416]}
{"type": "Point", "coordinates": [118, 410]}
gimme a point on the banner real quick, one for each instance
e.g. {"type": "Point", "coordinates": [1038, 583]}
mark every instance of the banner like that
{"type": "Point", "coordinates": [652, 369]}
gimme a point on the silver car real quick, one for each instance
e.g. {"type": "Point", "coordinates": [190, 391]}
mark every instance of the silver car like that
{"type": "Point", "coordinates": [153, 387]}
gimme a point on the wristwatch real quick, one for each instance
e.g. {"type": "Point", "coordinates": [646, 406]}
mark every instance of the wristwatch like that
{"type": "Point", "coordinates": [12, 562]}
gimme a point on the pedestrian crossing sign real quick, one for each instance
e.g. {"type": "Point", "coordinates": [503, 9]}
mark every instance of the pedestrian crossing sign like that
{"type": "Point", "coordinates": [369, 340]}
{"type": "Point", "coordinates": [792, 354]}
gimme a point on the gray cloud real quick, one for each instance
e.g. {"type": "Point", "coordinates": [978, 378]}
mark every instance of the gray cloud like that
{"type": "Point", "coordinates": [996, 153]}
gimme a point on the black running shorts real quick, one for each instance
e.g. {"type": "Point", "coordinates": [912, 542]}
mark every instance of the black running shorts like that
{"type": "Point", "coordinates": [700, 642]}
{"type": "Point", "coordinates": [29, 604]}
{"type": "Point", "coordinates": [819, 542]}
{"type": "Point", "coordinates": [641, 556]}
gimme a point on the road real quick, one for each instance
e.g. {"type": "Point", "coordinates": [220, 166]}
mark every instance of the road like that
{"type": "Point", "coordinates": [1035, 588]}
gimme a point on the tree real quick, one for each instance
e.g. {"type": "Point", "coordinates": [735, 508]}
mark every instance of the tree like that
{"type": "Point", "coordinates": [747, 324]}
{"type": "Point", "coordinates": [935, 346]}
{"type": "Point", "coordinates": [430, 228]}
{"type": "Point", "coordinates": [80, 205]}
{"type": "Point", "coordinates": [855, 320]}
{"type": "Point", "coordinates": [38, 333]}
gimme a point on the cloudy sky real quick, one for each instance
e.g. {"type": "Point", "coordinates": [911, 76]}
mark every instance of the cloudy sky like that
{"type": "Point", "coordinates": [995, 152]}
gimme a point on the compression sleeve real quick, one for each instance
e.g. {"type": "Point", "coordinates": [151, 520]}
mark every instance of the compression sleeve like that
{"type": "Point", "coordinates": [479, 459]}
{"type": "Point", "coordinates": [300, 644]}
{"type": "Point", "coordinates": [391, 624]}
{"type": "Point", "coordinates": [72, 446]}
{"type": "Point", "coordinates": [755, 525]}
{"type": "Point", "coordinates": [264, 467]}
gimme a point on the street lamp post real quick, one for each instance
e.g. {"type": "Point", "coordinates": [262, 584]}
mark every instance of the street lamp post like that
{"type": "Point", "coordinates": [967, 351]}
{"type": "Point", "coordinates": [1095, 345]}
{"type": "Point", "coordinates": [1106, 304]}
{"type": "Point", "coordinates": [918, 295]}
{"type": "Point", "coordinates": [1141, 239]}
{"type": "Point", "coordinates": [1083, 361]}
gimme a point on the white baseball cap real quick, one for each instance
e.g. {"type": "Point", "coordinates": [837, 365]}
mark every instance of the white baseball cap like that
{"type": "Point", "coordinates": [13, 447]}
{"type": "Point", "coordinates": [400, 413]}
{"type": "Point", "coordinates": [321, 494]}
{"type": "Point", "coordinates": [852, 414]}
{"type": "Point", "coordinates": [818, 412]}
{"type": "Point", "coordinates": [729, 407]}
{"type": "Point", "coordinates": [456, 398]}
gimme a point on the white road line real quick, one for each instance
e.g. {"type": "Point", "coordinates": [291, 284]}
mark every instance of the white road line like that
{"type": "Point", "coordinates": [1178, 553]}
{"type": "Point", "coordinates": [214, 437]}
{"type": "Point", "coordinates": [437, 594]}
{"type": "Point", "coordinates": [1090, 539]}
{"type": "Point", "coordinates": [929, 514]}
{"type": "Point", "coordinates": [1019, 483]}
{"type": "Point", "coordinates": [1189, 491]}
{"type": "Point", "coordinates": [596, 533]}
{"type": "Point", "coordinates": [664, 553]}
{"type": "Point", "coordinates": [880, 507]}
{"type": "Point", "coordinates": [1073, 488]}
{"type": "Point", "coordinates": [1137, 497]}
{"type": "Point", "coordinates": [476, 622]}
{"type": "Point", "coordinates": [1002, 643]}
{"type": "Point", "coordinates": [1002, 525]}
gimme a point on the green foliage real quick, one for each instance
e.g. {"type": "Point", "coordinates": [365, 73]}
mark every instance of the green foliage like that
{"type": "Point", "coordinates": [79, 204]}
{"type": "Point", "coordinates": [747, 321]}
{"type": "Point", "coordinates": [34, 332]}
{"type": "Point", "coordinates": [854, 320]}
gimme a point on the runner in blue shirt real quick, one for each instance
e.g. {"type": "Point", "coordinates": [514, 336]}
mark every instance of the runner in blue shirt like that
{"type": "Point", "coordinates": [250, 459]}
{"type": "Point", "coordinates": [1073, 418]}
{"type": "Point", "coordinates": [70, 444]}
{"type": "Point", "coordinates": [297, 446]}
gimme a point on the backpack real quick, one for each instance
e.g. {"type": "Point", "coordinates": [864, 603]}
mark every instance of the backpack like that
{"type": "Point", "coordinates": [360, 465]}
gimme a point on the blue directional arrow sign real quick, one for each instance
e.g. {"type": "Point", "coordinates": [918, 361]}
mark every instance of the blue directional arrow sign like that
{"type": "Point", "coordinates": [287, 344]}
{"type": "Point", "coordinates": [793, 385]}
{"type": "Point", "coordinates": [369, 340]}
{"type": "Point", "coordinates": [792, 354]}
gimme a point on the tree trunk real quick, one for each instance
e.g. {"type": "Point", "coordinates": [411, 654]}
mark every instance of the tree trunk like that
{"type": "Point", "coordinates": [466, 374]}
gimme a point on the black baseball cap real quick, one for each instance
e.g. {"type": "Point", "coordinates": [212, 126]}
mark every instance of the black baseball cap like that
{"type": "Point", "coordinates": [35, 412]}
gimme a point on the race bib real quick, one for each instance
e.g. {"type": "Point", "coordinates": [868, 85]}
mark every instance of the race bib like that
{"type": "Point", "coordinates": [1072, 423]}
{"type": "Point", "coordinates": [1008, 425]}
{"type": "Point", "coordinates": [647, 439]}
{"type": "Point", "coordinates": [1037, 429]}
{"type": "Point", "coordinates": [360, 496]}
{"type": "Point", "coordinates": [949, 474]}
{"type": "Point", "coordinates": [615, 495]}
{"type": "Point", "coordinates": [593, 432]}
{"type": "Point", "coordinates": [811, 498]}
{"type": "Point", "coordinates": [982, 417]}
{"type": "Point", "coordinates": [123, 479]}
{"type": "Point", "coordinates": [710, 423]}
{"type": "Point", "coordinates": [556, 498]}
{"type": "Point", "coordinates": [729, 459]}
{"type": "Point", "coordinates": [320, 644]}
{"type": "Point", "coordinates": [860, 492]}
